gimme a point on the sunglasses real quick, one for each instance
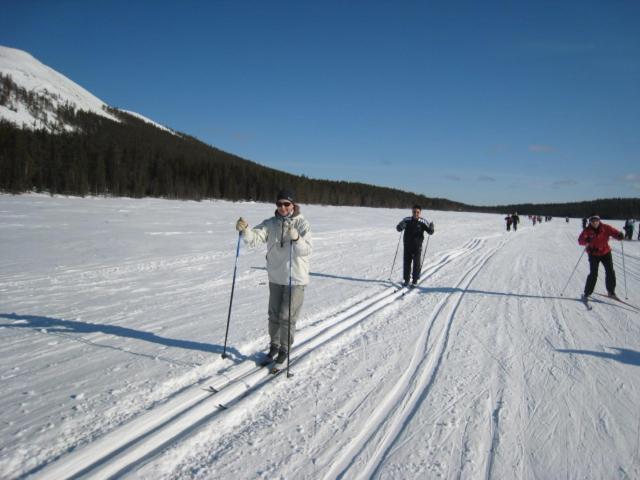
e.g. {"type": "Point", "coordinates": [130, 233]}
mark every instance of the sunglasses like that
{"type": "Point", "coordinates": [283, 204]}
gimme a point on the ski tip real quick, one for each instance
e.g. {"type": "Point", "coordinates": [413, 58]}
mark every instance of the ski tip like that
{"type": "Point", "coordinates": [222, 407]}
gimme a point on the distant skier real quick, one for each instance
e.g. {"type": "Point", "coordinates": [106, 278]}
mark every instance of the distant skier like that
{"type": "Point", "coordinates": [286, 233]}
{"type": "Point", "coordinates": [509, 222]}
{"type": "Point", "coordinates": [414, 228]}
{"type": "Point", "coordinates": [596, 238]}
{"type": "Point", "coordinates": [585, 222]}
{"type": "Point", "coordinates": [515, 219]}
{"type": "Point", "coordinates": [628, 228]}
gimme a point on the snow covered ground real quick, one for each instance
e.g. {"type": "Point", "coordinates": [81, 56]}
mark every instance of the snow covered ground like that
{"type": "Point", "coordinates": [112, 322]}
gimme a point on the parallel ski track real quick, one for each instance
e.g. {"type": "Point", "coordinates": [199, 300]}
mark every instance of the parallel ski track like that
{"type": "Point", "coordinates": [126, 447]}
{"type": "Point", "coordinates": [367, 451]}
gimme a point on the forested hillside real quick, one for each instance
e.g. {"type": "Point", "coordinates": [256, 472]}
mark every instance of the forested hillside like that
{"type": "Point", "coordinates": [97, 156]}
{"type": "Point", "coordinates": [81, 153]}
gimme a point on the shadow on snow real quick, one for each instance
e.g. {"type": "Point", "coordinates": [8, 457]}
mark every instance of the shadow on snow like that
{"type": "Point", "coordinates": [340, 277]}
{"type": "Point", "coordinates": [65, 327]}
{"type": "Point", "coordinates": [450, 290]}
{"type": "Point", "coordinates": [623, 355]}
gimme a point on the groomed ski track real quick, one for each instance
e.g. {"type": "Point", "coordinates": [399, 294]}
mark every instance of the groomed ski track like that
{"type": "Point", "coordinates": [482, 371]}
{"type": "Point", "coordinates": [127, 447]}
{"type": "Point", "coordinates": [399, 404]}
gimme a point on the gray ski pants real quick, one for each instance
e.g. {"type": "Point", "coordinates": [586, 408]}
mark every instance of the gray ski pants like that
{"type": "Point", "coordinates": [279, 312]}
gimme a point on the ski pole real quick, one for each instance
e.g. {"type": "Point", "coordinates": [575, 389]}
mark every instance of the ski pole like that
{"type": "Point", "coordinates": [233, 285]}
{"type": "Point", "coordinates": [289, 375]}
{"type": "Point", "coordinates": [624, 271]}
{"type": "Point", "coordinates": [574, 271]}
{"type": "Point", "coordinates": [395, 256]}
{"type": "Point", "coordinates": [424, 254]}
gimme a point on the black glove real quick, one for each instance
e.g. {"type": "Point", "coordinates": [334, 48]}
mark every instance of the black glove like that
{"type": "Point", "coordinates": [431, 228]}
{"type": "Point", "coordinates": [621, 236]}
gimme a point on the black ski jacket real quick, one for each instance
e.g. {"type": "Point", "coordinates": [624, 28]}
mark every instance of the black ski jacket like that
{"type": "Point", "coordinates": [414, 232]}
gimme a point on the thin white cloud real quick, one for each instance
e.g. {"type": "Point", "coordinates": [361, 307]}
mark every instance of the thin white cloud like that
{"type": "Point", "coordinates": [632, 180]}
{"type": "Point", "coordinates": [486, 178]}
{"type": "Point", "coordinates": [565, 183]}
{"type": "Point", "coordinates": [537, 148]}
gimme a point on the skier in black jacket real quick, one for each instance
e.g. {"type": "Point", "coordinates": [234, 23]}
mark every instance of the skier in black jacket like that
{"type": "Point", "coordinates": [414, 228]}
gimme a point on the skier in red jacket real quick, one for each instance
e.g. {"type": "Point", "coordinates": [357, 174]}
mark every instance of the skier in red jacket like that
{"type": "Point", "coordinates": [596, 238]}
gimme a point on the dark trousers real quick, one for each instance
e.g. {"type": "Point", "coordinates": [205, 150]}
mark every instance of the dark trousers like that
{"type": "Point", "coordinates": [409, 257]}
{"type": "Point", "coordinates": [610, 275]}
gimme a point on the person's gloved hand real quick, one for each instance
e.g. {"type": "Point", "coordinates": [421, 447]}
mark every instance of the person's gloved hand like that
{"type": "Point", "coordinates": [431, 228]}
{"type": "Point", "coordinates": [291, 233]}
{"type": "Point", "coordinates": [241, 225]}
{"type": "Point", "coordinates": [621, 236]}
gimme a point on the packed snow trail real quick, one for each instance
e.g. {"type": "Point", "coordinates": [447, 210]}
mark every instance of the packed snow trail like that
{"type": "Point", "coordinates": [139, 439]}
{"type": "Point", "coordinates": [400, 402]}
{"type": "Point", "coordinates": [496, 406]}
{"type": "Point", "coordinates": [112, 316]}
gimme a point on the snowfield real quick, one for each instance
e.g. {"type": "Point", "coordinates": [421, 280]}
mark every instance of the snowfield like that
{"type": "Point", "coordinates": [112, 323]}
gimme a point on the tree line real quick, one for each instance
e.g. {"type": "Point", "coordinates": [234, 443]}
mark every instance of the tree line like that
{"type": "Point", "coordinates": [135, 159]}
{"type": "Point", "coordinates": [611, 208]}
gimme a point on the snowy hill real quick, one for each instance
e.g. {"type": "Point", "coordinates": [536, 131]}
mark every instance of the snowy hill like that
{"type": "Point", "coordinates": [49, 92]}
{"type": "Point", "coordinates": [113, 315]}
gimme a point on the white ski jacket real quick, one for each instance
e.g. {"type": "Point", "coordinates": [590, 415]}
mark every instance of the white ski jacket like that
{"type": "Point", "coordinates": [270, 231]}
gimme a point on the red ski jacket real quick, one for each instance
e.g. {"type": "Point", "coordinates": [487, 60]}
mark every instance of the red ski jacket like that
{"type": "Point", "coordinates": [597, 239]}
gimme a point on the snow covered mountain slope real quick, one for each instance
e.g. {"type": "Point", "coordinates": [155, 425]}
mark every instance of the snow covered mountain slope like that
{"type": "Point", "coordinates": [32, 75]}
{"type": "Point", "coordinates": [49, 91]}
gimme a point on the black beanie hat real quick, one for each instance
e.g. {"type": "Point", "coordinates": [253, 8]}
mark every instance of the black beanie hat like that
{"type": "Point", "coordinates": [285, 195]}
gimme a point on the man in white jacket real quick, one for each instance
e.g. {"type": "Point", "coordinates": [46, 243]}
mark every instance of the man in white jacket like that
{"type": "Point", "coordinates": [288, 236]}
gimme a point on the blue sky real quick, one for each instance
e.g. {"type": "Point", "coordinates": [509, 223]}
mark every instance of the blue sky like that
{"type": "Point", "coordinates": [480, 102]}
